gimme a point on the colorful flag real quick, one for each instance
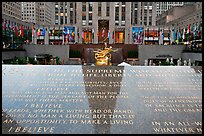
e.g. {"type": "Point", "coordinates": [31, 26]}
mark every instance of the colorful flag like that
{"type": "Point", "coordinates": [179, 35]}
{"type": "Point", "coordinates": [162, 34]}
{"type": "Point", "coordinates": [5, 22]}
{"type": "Point", "coordinates": [27, 31]}
{"type": "Point", "coordinates": [93, 33]}
{"type": "Point", "coordinates": [43, 31]}
{"type": "Point", "coordinates": [68, 33]}
{"type": "Point", "coordinates": [13, 25]}
{"type": "Point", "coordinates": [65, 30]}
{"type": "Point", "coordinates": [189, 29]}
{"type": "Point", "coordinates": [174, 35]}
{"type": "Point", "coordinates": [169, 34]}
{"type": "Point", "coordinates": [8, 24]}
{"type": "Point", "coordinates": [66, 38]}
{"type": "Point", "coordinates": [53, 31]}
{"type": "Point", "coordinates": [184, 33]}
{"type": "Point", "coordinates": [38, 32]}
{"type": "Point", "coordinates": [83, 34]}
{"type": "Point", "coordinates": [113, 35]}
{"type": "Point", "coordinates": [108, 34]}
{"type": "Point", "coordinates": [73, 35]}
{"type": "Point", "coordinates": [16, 30]}
{"type": "Point", "coordinates": [139, 35]}
{"type": "Point", "coordinates": [199, 30]}
{"type": "Point", "coordinates": [48, 29]}
{"type": "Point", "coordinates": [195, 30]}
{"type": "Point", "coordinates": [22, 32]}
{"type": "Point", "coordinates": [128, 32]}
{"type": "Point", "coordinates": [33, 30]}
{"type": "Point", "coordinates": [158, 32]}
{"type": "Point", "coordinates": [59, 32]}
{"type": "Point", "coordinates": [161, 38]}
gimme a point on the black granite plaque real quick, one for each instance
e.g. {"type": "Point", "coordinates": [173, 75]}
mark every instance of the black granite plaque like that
{"type": "Point", "coordinates": [101, 100]}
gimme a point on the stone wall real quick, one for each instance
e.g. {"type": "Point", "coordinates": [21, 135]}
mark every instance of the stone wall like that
{"type": "Point", "coordinates": [193, 56]}
{"type": "Point", "coordinates": [12, 54]}
{"type": "Point", "coordinates": [151, 51]}
{"type": "Point", "coordinates": [61, 51]}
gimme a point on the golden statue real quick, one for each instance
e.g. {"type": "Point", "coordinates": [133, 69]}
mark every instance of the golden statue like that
{"type": "Point", "coordinates": [103, 57]}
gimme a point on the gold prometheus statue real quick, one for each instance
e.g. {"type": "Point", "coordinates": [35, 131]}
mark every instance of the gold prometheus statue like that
{"type": "Point", "coordinates": [103, 57]}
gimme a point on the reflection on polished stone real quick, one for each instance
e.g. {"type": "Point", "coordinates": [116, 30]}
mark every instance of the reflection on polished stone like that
{"type": "Point", "coordinates": [105, 98]}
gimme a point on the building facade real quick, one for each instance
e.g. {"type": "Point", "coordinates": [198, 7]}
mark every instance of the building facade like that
{"type": "Point", "coordinates": [98, 22]}
{"type": "Point", "coordinates": [12, 9]}
{"type": "Point", "coordinates": [162, 7]}
{"type": "Point", "coordinates": [184, 22]}
{"type": "Point", "coordinates": [65, 13]}
{"type": "Point", "coordinates": [181, 17]}
{"type": "Point", "coordinates": [143, 13]}
{"type": "Point", "coordinates": [41, 13]}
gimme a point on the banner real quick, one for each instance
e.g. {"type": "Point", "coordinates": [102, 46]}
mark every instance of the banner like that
{"type": "Point", "coordinates": [69, 33]}
{"type": "Point", "coordinates": [137, 35]}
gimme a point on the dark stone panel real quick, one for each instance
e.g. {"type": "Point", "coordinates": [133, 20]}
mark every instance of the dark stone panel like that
{"type": "Point", "coordinates": [75, 99]}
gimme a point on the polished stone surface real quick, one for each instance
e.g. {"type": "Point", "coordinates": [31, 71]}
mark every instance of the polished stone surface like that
{"type": "Point", "coordinates": [78, 99]}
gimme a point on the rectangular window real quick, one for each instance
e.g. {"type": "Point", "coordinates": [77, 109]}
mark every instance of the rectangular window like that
{"type": "Point", "coordinates": [99, 8]}
{"type": "Point", "coordinates": [123, 13]}
{"type": "Point", "coordinates": [71, 4]}
{"type": "Point", "coordinates": [90, 16]}
{"type": "Point", "coordinates": [107, 8]}
{"type": "Point", "coordinates": [83, 6]}
{"type": "Point", "coordinates": [116, 13]}
{"type": "Point", "coordinates": [61, 20]}
{"type": "Point", "coordinates": [65, 19]}
{"type": "Point", "coordinates": [83, 15]}
{"type": "Point", "coordinates": [135, 16]}
{"type": "Point", "coordinates": [90, 6]}
{"type": "Point", "coordinates": [71, 21]}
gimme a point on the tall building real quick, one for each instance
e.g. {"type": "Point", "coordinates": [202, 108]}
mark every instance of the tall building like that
{"type": "Point", "coordinates": [99, 22]}
{"type": "Point", "coordinates": [103, 20]}
{"type": "Point", "coordinates": [41, 13]}
{"type": "Point", "coordinates": [30, 12]}
{"type": "Point", "coordinates": [65, 13]}
{"type": "Point", "coordinates": [113, 19]}
{"type": "Point", "coordinates": [12, 9]}
{"type": "Point", "coordinates": [47, 11]}
{"type": "Point", "coordinates": [143, 13]}
{"type": "Point", "coordinates": [181, 16]}
{"type": "Point", "coordinates": [164, 6]}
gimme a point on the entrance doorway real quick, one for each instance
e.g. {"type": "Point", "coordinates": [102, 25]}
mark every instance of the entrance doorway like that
{"type": "Point", "coordinates": [103, 28]}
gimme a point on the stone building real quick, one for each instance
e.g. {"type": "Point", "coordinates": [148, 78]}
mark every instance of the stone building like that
{"type": "Point", "coordinates": [181, 17]}
{"type": "Point", "coordinates": [41, 13]}
{"type": "Point", "coordinates": [96, 22]}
